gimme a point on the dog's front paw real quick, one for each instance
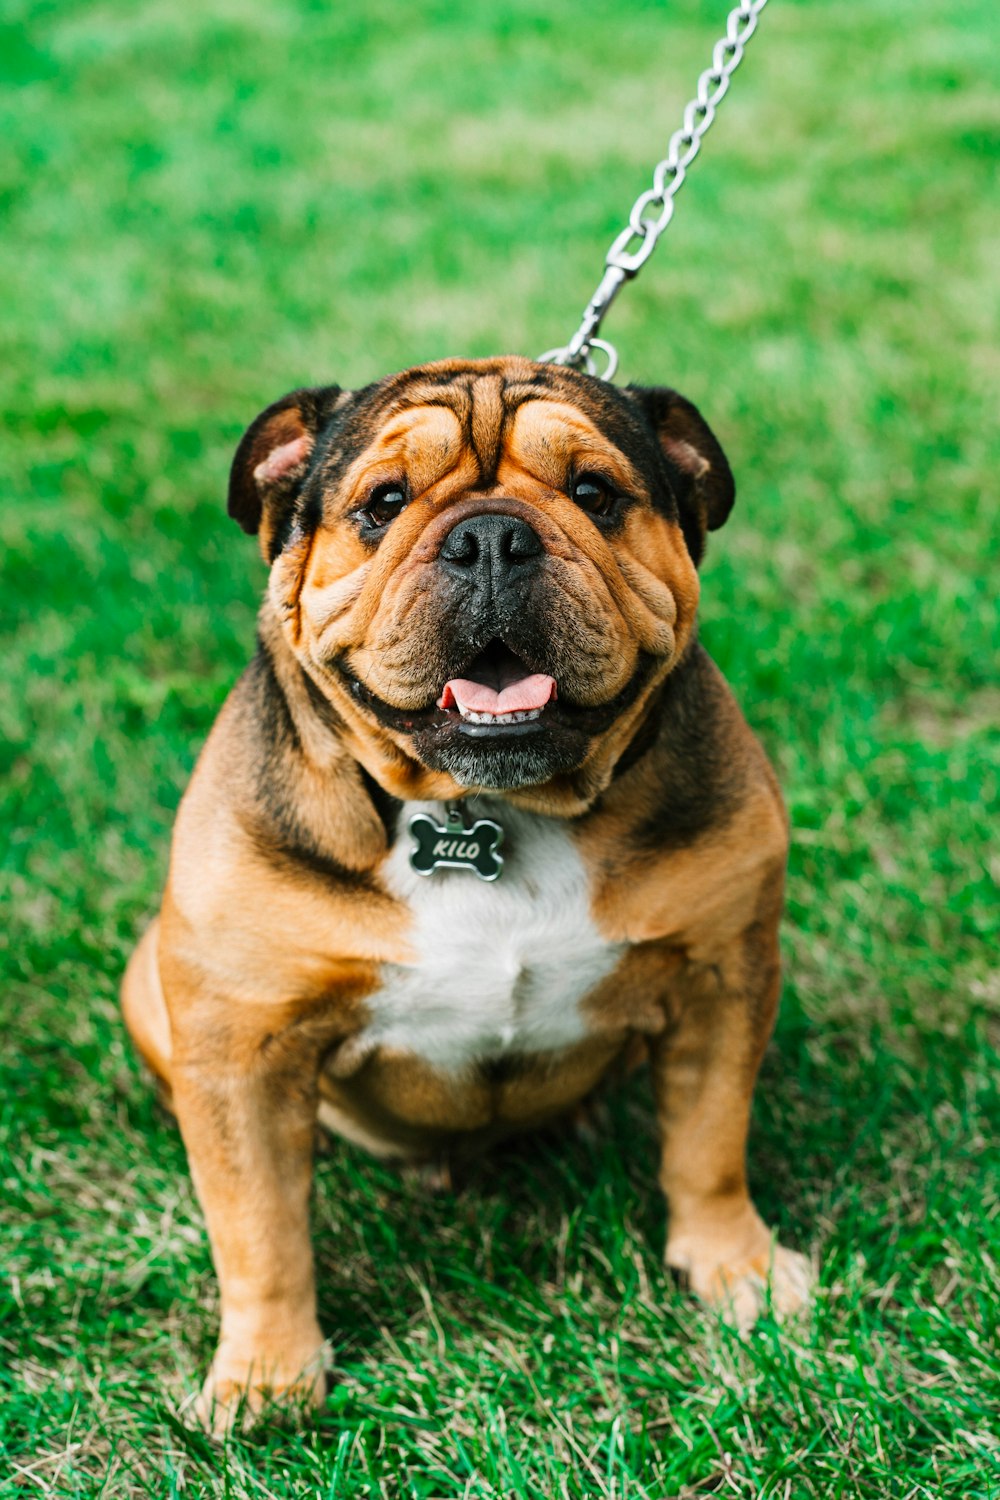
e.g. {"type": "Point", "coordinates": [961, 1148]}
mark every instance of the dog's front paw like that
{"type": "Point", "coordinates": [780, 1281]}
{"type": "Point", "coordinates": [240, 1389]}
{"type": "Point", "coordinates": [744, 1285]}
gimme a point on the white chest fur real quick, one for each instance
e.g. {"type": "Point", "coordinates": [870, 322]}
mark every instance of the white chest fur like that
{"type": "Point", "coordinates": [498, 967]}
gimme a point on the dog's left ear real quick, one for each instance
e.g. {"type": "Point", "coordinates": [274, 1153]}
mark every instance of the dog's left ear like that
{"type": "Point", "coordinates": [272, 461]}
{"type": "Point", "coordinates": [699, 471]}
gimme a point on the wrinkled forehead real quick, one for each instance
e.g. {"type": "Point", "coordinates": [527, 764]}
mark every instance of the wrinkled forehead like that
{"type": "Point", "coordinates": [493, 426]}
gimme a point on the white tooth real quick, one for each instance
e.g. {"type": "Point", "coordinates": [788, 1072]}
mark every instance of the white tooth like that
{"type": "Point", "coordinates": [520, 716]}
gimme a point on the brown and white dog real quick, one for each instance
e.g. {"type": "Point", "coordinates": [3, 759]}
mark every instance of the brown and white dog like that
{"type": "Point", "coordinates": [483, 590]}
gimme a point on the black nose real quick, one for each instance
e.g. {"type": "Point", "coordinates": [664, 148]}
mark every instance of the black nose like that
{"type": "Point", "coordinates": [490, 550]}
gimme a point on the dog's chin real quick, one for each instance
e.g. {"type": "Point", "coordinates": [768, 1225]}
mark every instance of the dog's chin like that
{"type": "Point", "coordinates": [503, 758]}
{"type": "Point", "coordinates": [531, 748]}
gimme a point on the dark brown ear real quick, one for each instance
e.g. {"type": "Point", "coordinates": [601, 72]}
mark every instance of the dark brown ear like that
{"type": "Point", "coordinates": [272, 461]}
{"type": "Point", "coordinates": [699, 471]}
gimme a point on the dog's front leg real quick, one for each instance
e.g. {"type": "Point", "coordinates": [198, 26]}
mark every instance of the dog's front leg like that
{"type": "Point", "coordinates": [704, 1068]}
{"type": "Point", "coordinates": [244, 1087]}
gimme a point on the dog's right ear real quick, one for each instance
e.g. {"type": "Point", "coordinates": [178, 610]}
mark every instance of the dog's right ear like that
{"type": "Point", "coordinates": [272, 461]}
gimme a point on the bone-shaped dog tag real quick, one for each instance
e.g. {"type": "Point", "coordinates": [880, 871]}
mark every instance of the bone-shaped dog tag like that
{"type": "Point", "coordinates": [455, 847]}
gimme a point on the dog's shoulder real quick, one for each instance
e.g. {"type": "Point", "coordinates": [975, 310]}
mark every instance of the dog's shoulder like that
{"type": "Point", "coordinates": [276, 776]}
{"type": "Point", "coordinates": [692, 834]}
{"type": "Point", "coordinates": [273, 866]}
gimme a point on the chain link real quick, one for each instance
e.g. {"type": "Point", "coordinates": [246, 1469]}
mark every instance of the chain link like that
{"type": "Point", "coordinates": [654, 208]}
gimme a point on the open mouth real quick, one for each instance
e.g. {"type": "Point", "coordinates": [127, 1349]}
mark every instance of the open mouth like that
{"type": "Point", "coordinates": [497, 699]}
{"type": "Point", "coordinates": [498, 689]}
{"type": "Point", "coordinates": [500, 723]}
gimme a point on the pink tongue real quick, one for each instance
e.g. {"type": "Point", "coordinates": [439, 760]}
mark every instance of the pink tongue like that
{"type": "Point", "coordinates": [518, 697]}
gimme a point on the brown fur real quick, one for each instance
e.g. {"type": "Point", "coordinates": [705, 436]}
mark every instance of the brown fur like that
{"type": "Point", "coordinates": [250, 994]}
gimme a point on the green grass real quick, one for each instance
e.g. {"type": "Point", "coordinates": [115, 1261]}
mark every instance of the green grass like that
{"type": "Point", "coordinates": [207, 205]}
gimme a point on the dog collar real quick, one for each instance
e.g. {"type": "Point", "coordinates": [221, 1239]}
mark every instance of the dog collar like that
{"type": "Point", "coordinates": [453, 846]}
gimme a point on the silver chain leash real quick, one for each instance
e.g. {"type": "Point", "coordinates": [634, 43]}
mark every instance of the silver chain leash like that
{"type": "Point", "coordinates": [653, 209]}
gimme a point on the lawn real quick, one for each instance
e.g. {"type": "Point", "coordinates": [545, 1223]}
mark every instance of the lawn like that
{"type": "Point", "coordinates": [206, 205]}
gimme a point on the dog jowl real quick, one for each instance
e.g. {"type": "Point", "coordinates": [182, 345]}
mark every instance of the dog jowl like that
{"type": "Point", "coordinates": [483, 591]}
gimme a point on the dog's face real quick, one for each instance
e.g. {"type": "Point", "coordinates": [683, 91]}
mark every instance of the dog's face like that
{"type": "Point", "coordinates": [487, 566]}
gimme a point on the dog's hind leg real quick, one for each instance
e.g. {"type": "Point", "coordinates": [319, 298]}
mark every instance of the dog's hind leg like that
{"type": "Point", "coordinates": [145, 1009]}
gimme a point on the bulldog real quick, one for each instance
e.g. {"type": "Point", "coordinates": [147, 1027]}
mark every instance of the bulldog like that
{"type": "Point", "coordinates": [480, 818]}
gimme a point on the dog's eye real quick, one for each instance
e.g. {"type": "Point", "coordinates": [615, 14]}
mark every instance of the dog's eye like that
{"type": "Point", "coordinates": [593, 494]}
{"type": "Point", "coordinates": [384, 504]}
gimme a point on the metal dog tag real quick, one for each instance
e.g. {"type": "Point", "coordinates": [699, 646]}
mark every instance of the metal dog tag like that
{"type": "Point", "coordinates": [455, 847]}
